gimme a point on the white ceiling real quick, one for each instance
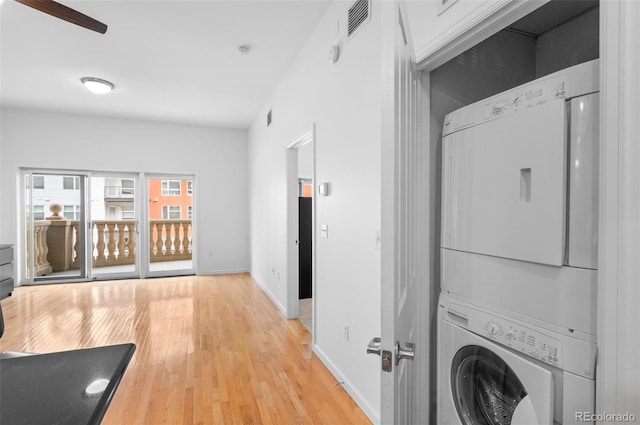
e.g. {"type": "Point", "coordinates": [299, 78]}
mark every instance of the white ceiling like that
{"type": "Point", "coordinates": [175, 61]}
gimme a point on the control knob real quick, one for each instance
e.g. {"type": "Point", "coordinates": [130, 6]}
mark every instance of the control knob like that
{"type": "Point", "coordinates": [492, 327]}
{"type": "Point", "coordinates": [499, 107]}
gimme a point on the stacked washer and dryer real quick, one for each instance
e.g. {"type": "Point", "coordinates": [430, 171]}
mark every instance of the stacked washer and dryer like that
{"type": "Point", "coordinates": [517, 311]}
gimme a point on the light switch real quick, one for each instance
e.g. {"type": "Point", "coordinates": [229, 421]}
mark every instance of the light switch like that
{"type": "Point", "coordinates": [324, 231]}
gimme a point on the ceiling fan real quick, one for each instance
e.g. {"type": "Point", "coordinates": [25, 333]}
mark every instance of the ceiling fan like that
{"type": "Point", "coordinates": [66, 13]}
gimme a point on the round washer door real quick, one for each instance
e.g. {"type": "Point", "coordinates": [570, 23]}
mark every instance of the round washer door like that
{"type": "Point", "coordinates": [485, 390]}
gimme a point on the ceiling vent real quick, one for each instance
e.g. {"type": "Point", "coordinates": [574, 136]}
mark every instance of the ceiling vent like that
{"type": "Point", "coordinates": [359, 14]}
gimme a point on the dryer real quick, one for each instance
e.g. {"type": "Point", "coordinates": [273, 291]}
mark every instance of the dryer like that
{"type": "Point", "coordinates": [494, 370]}
{"type": "Point", "coordinates": [520, 202]}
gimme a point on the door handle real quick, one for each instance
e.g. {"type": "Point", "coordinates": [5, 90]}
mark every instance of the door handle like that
{"type": "Point", "coordinates": [407, 352]}
{"type": "Point", "coordinates": [375, 346]}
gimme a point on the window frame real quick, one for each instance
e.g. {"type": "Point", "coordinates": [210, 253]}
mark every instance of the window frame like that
{"type": "Point", "coordinates": [167, 190]}
{"type": "Point", "coordinates": [167, 210]}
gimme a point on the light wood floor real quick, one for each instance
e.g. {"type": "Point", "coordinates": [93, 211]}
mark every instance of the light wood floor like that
{"type": "Point", "coordinates": [210, 350]}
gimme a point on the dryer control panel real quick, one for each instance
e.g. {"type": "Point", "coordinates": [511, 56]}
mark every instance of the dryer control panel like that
{"type": "Point", "coordinates": [522, 339]}
{"type": "Point", "coordinates": [565, 84]}
{"type": "Point", "coordinates": [508, 103]}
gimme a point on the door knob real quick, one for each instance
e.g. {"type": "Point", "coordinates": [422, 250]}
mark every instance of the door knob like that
{"type": "Point", "coordinates": [374, 346]}
{"type": "Point", "coordinates": [406, 352]}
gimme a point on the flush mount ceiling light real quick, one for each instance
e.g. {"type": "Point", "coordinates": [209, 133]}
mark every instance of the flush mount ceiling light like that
{"type": "Point", "coordinates": [97, 85]}
{"type": "Point", "coordinates": [244, 49]}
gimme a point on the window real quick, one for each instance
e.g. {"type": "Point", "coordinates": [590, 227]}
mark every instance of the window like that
{"type": "Point", "coordinates": [190, 187]}
{"type": "Point", "coordinates": [171, 188]}
{"type": "Point", "coordinates": [71, 212]}
{"type": "Point", "coordinates": [127, 187]}
{"type": "Point", "coordinates": [128, 212]}
{"type": "Point", "coordinates": [38, 182]}
{"type": "Point", "coordinates": [112, 213]}
{"type": "Point", "coordinates": [38, 212]}
{"type": "Point", "coordinates": [171, 212]}
{"type": "Point", "coordinates": [190, 212]}
{"type": "Point", "coordinates": [71, 182]}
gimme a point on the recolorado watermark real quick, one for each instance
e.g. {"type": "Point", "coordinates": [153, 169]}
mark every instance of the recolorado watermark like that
{"type": "Point", "coordinates": [605, 417]}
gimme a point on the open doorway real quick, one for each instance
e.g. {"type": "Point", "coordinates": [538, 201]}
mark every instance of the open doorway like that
{"type": "Point", "coordinates": [305, 245]}
{"type": "Point", "coordinates": [301, 207]}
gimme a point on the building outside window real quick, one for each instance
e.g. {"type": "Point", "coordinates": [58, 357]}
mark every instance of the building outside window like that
{"type": "Point", "coordinates": [171, 212]}
{"type": "Point", "coordinates": [190, 212]}
{"type": "Point", "coordinates": [71, 212]}
{"type": "Point", "coordinates": [38, 212]}
{"type": "Point", "coordinates": [128, 212]}
{"type": "Point", "coordinates": [38, 182]}
{"type": "Point", "coordinates": [171, 188]}
{"type": "Point", "coordinates": [190, 187]}
{"type": "Point", "coordinates": [71, 183]}
{"type": "Point", "coordinates": [128, 187]}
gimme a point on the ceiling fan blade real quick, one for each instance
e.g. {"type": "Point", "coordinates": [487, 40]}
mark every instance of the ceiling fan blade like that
{"type": "Point", "coordinates": [65, 13]}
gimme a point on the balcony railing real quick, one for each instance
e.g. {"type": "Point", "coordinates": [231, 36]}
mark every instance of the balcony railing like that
{"type": "Point", "coordinates": [41, 263]}
{"type": "Point", "coordinates": [113, 242]}
{"type": "Point", "coordinates": [170, 240]}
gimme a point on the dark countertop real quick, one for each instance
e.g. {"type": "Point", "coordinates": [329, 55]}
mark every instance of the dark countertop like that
{"type": "Point", "coordinates": [52, 389]}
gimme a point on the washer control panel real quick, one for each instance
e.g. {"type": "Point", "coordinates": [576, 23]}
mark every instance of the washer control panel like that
{"type": "Point", "coordinates": [519, 338]}
{"type": "Point", "coordinates": [558, 348]}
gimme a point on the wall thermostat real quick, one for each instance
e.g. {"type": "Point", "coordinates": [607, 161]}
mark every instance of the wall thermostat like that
{"type": "Point", "coordinates": [323, 189]}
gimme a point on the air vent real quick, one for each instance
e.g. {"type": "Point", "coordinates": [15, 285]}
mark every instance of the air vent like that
{"type": "Point", "coordinates": [359, 14]}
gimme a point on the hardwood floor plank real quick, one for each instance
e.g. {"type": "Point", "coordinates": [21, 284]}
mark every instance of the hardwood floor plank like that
{"type": "Point", "coordinates": [210, 350]}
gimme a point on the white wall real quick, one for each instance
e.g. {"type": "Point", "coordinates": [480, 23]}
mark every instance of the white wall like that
{"type": "Point", "coordinates": [217, 157]}
{"type": "Point", "coordinates": [305, 161]}
{"type": "Point", "coordinates": [343, 100]}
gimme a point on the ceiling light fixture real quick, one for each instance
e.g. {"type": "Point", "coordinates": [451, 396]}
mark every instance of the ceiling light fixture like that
{"type": "Point", "coordinates": [97, 85]}
{"type": "Point", "coordinates": [244, 49]}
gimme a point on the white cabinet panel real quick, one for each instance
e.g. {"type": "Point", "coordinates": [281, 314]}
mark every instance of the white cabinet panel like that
{"type": "Point", "coordinates": [436, 29]}
{"type": "Point", "coordinates": [583, 181]}
{"type": "Point", "coordinates": [504, 186]}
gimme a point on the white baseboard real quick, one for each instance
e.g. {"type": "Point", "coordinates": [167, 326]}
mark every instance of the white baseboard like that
{"type": "Point", "coordinates": [217, 272]}
{"type": "Point", "coordinates": [349, 388]}
{"type": "Point", "coordinates": [270, 295]}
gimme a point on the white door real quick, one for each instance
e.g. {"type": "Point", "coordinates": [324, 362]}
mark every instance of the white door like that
{"type": "Point", "coordinates": [403, 346]}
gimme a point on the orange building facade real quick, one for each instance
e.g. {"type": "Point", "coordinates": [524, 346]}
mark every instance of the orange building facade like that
{"type": "Point", "coordinates": [170, 199]}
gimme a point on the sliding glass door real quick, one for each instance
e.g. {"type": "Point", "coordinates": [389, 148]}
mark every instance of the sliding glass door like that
{"type": "Point", "coordinates": [86, 226]}
{"type": "Point", "coordinates": [55, 226]}
{"type": "Point", "coordinates": [170, 225]}
{"type": "Point", "coordinates": [114, 226]}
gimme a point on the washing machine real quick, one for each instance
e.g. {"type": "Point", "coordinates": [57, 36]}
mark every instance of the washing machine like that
{"type": "Point", "coordinates": [495, 370]}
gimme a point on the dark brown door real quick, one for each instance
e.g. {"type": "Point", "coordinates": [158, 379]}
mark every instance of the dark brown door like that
{"type": "Point", "coordinates": [304, 247]}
